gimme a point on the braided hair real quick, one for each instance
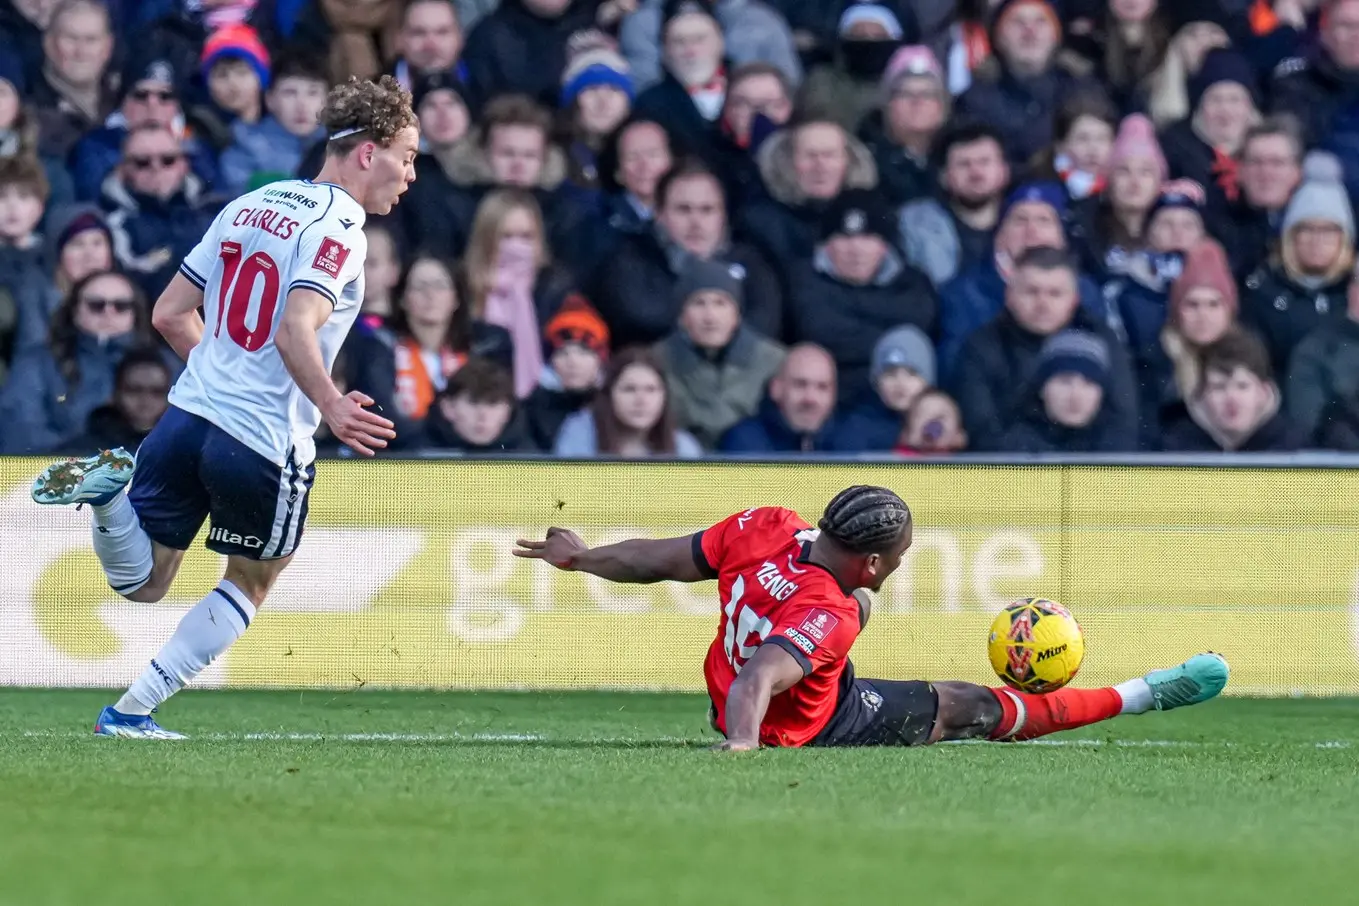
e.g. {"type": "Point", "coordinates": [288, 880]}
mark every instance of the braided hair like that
{"type": "Point", "coordinates": [865, 519]}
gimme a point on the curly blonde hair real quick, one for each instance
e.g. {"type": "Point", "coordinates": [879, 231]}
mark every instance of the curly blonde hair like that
{"type": "Point", "coordinates": [379, 111]}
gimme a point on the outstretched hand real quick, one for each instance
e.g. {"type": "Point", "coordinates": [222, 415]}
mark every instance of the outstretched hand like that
{"type": "Point", "coordinates": [559, 548]}
{"type": "Point", "coordinates": [353, 425]}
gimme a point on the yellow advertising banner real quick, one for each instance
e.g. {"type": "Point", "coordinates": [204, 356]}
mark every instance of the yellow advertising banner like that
{"type": "Point", "coordinates": [405, 579]}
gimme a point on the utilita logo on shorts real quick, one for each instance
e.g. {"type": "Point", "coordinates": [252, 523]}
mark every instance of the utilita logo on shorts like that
{"type": "Point", "coordinates": [225, 537]}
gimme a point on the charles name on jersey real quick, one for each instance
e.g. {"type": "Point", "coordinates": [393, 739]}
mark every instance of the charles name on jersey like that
{"type": "Point", "coordinates": [271, 221]}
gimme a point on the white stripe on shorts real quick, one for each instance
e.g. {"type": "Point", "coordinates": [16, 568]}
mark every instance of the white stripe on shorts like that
{"type": "Point", "coordinates": [285, 489]}
{"type": "Point", "coordinates": [295, 529]}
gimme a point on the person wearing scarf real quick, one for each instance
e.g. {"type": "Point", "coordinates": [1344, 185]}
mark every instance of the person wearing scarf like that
{"type": "Point", "coordinates": [1226, 104]}
{"type": "Point", "coordinates": [510, 305]}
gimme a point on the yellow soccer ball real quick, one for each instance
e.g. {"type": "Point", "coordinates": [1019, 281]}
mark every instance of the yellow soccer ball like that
{"type": "Point", "coordinates": [1036, 645]}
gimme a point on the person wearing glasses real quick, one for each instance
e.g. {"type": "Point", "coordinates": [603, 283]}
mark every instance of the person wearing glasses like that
{"type": "Point", "coordinates": [157, 208]}
{"type": "Point", "coordinates": [150, 94]}
{"type": "Point", "coordinates": [53, 388]}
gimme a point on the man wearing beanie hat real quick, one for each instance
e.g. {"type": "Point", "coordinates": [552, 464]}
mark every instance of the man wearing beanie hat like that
{"type": "Point", "coordinates": [1205, 146]}
{"type": "Point", "coordinates": [856, 287]}
{"type": "Point", "coordinates": [575, 348]}
{"type": "Point", "coordinates": [1305, 286]}
{"type": "Point", "coordinates": [717, 365]}
{"type": "Point", "coordinates": [1031, 217]}
{"type": "Point", "coordinates": [74, 93]}
{"type": "Point", "coordinates": [848, 88]}
{"type": "Point", "coordinates": [998, 361]}
{"type": "Point", "coordinates": [151, 84]}
{"type": "Point", "coordinates": [1063, 410]}
{"type": "Point", "coordinates": [901, 369]}
{"type": "Point", "coordinates": [753, 32]}
{"type": "Point", "coordinates": [440, 102]}
{"type": "Point", "coordinates": [1027, 80]}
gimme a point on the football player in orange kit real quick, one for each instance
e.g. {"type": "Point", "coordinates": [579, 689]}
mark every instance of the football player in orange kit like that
{"type": "Point", "coordinates": [779, 673]}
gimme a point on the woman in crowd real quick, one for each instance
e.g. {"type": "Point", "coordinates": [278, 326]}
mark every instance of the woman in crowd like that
{"type": "Point", "coordinates": [54, 388]}
{"type": "Point", "coordinates": [511, 280]}
{"type": "Point", "coordinates": [404, 365]}
{"type": "Point", "coordinates": [1305, 284]}
{"type": "Point", "coordinates": [631, 417]}
{"type": "Point", "coordinates": [1115, 221]}
{"type": "Point", "coordinates": [1203, 308]}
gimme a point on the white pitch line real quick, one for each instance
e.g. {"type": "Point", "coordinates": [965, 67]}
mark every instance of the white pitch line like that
{"type": "Point", "coordinates": [327, 737]}
{"type": "Point", "coordinates": [642, 742]}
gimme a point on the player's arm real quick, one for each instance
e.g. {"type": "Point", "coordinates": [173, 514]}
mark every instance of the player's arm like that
{"type": "Point", "coordinates": [638, 561]}
{"type": "Point", "coordinates": [771, 671]}
{"type": "Point", "coordinates": [303, 315]}
{"type": "Point", "coordinates": [176, 315]}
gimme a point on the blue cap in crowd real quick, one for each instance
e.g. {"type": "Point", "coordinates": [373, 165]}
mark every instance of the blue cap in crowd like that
{"type": "Point", "coordinates": [1049, 193]}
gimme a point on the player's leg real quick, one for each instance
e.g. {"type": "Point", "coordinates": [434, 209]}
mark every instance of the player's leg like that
{"type": "Point", "coordinates": [137, 567]}
{"type": "Point", "coordinates": [257, 515]}
{"type": "Point", "coordinates": [139, 533]}
{"type": "Point", "coordinates": [977, 712]}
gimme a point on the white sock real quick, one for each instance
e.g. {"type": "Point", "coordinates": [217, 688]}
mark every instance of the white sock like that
{"type": "Point", "coordinates": [1136, 695]}
{"type": "Point", "coordinates": [203, 635]}
{"type": "Point", "coordinates": [124, 550]}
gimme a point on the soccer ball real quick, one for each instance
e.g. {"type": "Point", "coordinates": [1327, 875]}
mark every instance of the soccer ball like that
{"type": "Point", "coordinates": [1036, 645]}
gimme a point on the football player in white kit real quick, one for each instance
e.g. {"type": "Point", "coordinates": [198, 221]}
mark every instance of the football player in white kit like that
{"type": "Point", "coordinates": [279, 278]}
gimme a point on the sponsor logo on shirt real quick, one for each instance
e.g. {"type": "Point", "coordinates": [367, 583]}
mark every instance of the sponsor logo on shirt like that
{"type": "Point", "coordinates": [800, 640]}
{"type": "Point", "coordinates": [819, 624]}
{"type": "Point", "coordinates": [330, 257]}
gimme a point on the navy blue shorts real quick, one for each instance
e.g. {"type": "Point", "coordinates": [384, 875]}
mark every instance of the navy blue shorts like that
{"type": "Point", "coordinates": [189, 470]}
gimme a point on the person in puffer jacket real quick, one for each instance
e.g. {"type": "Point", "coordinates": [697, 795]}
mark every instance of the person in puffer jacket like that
{"type": "Point", "coordinates": [1304, 286]}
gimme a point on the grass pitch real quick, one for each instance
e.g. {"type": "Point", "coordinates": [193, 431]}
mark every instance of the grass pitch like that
{"type": "Point", "coordinates": [601, 798]}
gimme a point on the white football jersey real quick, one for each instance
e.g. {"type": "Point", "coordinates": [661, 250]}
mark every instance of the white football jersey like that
{"type": "Point", "coordinates": [285, 236]}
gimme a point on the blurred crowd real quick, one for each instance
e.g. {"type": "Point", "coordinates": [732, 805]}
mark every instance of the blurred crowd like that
{"type": "Point", "coordinates": [682, 227]}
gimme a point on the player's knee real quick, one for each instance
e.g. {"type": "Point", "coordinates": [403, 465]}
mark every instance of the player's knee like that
{"type": "Point", "coordinates": [150, 593]}
{"type": "Point", "coordinates": [965, 711]}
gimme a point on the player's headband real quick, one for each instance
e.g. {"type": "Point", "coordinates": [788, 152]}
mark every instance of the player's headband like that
{"type": "Point", "coordinates": [345, 133]}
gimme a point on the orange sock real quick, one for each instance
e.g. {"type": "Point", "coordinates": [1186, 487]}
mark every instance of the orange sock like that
{"type": "Point", "coordinates": [1028, 716]}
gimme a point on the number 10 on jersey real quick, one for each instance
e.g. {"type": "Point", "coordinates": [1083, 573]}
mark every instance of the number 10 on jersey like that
{"type": "Point", "coordinates": [238, 285]}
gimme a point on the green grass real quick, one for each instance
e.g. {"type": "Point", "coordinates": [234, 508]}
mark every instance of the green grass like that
{"type": "Point", "coordinates": [615, 800]}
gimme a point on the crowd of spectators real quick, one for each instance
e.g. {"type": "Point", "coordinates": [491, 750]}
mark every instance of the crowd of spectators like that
{"type": "Point", "coordinates": [683, 227]}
